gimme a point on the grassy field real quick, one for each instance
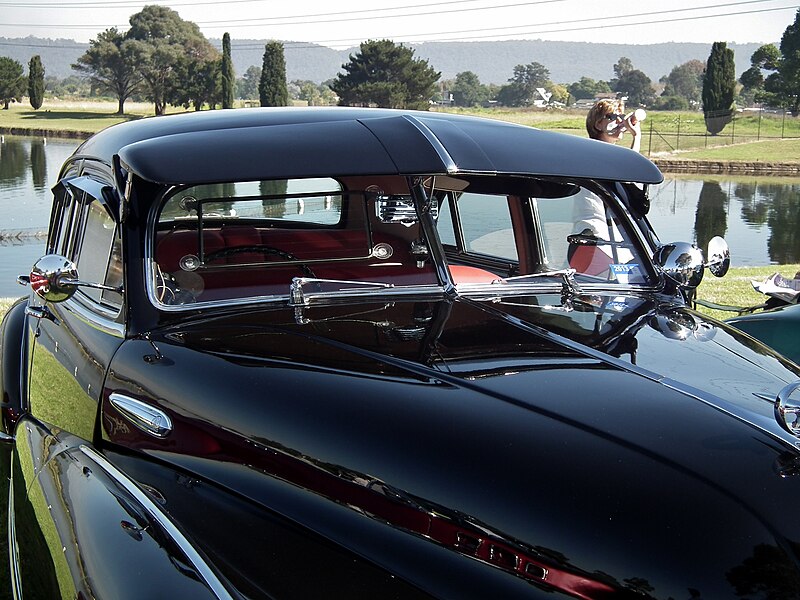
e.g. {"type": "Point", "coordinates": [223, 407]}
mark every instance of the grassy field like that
{"type": "Point", "coordinates": [750, 137]}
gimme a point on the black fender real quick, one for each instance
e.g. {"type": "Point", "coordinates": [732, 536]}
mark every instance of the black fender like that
{"type": "Point", "coordinates": [79, 528]}
{"type": "Point", "coordinates": [13, 350]}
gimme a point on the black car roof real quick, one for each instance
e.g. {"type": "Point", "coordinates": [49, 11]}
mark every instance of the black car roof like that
{"type": "Point", "coordinates": [264, 143]}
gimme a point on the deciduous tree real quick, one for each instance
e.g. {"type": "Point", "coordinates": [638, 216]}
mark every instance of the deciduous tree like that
{"type": "Point", "coordinates": [172, 56]}
{"type": "Point", "coordinates": [36, 82]}
{"type": "Point", "coordinates": [587, 88]}
{"type": "Point", "coordinates": [719, 86]}
{"type": "Point", "coordinates": [272, 90]}
{"type": "Point", "coordinates": [12, 82]}
{"type": "Point", "coordinates": [685, 81]}
{"type": "Point", "coordinates": [468, 90]}
{"type": "Point", "coordinates": [782, 85]}
{"type": "Point", "coordinates": [632, 84]}
{"type": "Point", "coordinates": [248, 83]}
{"type": "Point", "coordinates": [111, 65]}
{"type": "Point", "coordinates": [387, 75]}
{"type": "Point", "coordinates": [521, 89]}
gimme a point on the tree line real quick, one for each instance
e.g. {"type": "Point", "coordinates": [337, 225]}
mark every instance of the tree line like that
{"type": "Point", "coordinates": [167, 61]}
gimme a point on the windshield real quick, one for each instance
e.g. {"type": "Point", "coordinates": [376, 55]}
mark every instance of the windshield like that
{"type": "Point", "coordinates": [246, 240]}
{"type": "Point", "coordinates": [518, 233]}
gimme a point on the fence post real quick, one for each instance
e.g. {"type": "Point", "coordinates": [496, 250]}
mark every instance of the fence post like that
{"type": "Point", "coordinates": [733, 130]}
{"type": "Point", "coordinates": [783, 122]}
{"type": "Point", "coordinates": [650, 141]}
{"type": "Point", "coordinates": [678, 137]}
{"type": "Point", "coordinates": [760, 110]}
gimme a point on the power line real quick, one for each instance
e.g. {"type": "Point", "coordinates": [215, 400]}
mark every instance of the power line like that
{"type": "Point", "coordinates": [608, 22]}
{"type": "Point", "coordinates": [365, 14]}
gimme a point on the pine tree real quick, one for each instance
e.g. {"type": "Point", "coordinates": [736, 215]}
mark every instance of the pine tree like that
{"type": "Point", "coordinates": [386, 75]}
{"type": "Point", "coordinates": [228, 75]}
{"type": "Point", "coordinates": [36, 82]}
{"type": "Point", "coordinates": [719, 86]}
{"type": "Point", "coordinates": [272, 89]}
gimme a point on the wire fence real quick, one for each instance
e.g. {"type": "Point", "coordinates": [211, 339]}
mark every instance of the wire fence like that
{"type": "Point", "coordinates": [691, 132]}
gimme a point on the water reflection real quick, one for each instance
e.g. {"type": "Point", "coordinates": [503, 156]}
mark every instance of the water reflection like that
{"type": "Point", "coordinates": [14, 161]}
{"type": "Point", "coordinates": [711, 217]}
{"type": "Point", "coordinates": [759, 217]}
{"type": "Point", "coordinates": [38, 164]}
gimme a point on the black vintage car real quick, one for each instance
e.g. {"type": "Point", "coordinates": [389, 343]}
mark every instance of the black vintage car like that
{"type": "Point", "coordinates": [290, 353]}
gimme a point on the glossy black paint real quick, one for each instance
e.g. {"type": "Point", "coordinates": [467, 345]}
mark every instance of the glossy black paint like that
{"type": "Point", "coordinates": [318, 142]}
{"type": "Point", "coordinates": [462, 420]}
{"type": "Point", "coordinates": [538, 444]}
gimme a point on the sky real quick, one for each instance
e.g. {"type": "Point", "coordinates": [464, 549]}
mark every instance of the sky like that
{"type": "Point", "coordinates": [346, 23]}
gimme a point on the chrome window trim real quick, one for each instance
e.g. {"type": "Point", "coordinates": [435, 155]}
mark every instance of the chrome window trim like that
{"type": "Point", "coordinates": [203, 569]}
{"type": "Point", "coordinates": [91, 315]}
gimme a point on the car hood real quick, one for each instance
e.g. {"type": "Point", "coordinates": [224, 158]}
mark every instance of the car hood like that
{"type": "Point", "coordinates": [579, 448]}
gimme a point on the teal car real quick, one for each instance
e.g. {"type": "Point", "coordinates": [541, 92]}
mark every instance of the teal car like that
{"type": "Point", "coordinates": [776, 328]}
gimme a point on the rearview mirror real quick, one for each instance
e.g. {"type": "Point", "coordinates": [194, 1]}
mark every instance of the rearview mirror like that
{"type": "Point", "coordinates": [683, 262]}
{"type": "Point", "coordinates": [55, 278]}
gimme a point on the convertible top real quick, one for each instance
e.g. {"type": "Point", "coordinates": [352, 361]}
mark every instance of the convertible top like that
{"type": "Point", "coordinates": [266, 143]}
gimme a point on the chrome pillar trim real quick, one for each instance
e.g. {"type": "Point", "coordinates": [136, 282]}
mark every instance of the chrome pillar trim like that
{"type": "Point", "coordinates": [447, 160]}
{"type": "Point", "coordinates": [146, 417]}
{"type": "Point", "coordinates": [203, 569]}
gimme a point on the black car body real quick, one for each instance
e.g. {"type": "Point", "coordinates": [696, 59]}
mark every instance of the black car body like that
{"type": "Point", "coordinates": [367, 353]}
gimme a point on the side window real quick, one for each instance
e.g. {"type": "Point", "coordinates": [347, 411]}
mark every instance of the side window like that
{"type": "Point", "coordinates": [82, 230]}
{"type": "Point", "coordinates": [99, 259]}
{"type": "Point", "coordinates": [486, 225]}
{"type": "Point", "coordinates": [581, 231]}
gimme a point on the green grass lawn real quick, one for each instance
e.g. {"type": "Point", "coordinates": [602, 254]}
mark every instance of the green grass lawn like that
{"type": "Point", "coordinates": [786, 150]}
{"type": "Point", "coordinates": [768, 137]}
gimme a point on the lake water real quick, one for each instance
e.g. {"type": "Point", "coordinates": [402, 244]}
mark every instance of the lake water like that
{"type": "Point", "coordinates": [758, 216]}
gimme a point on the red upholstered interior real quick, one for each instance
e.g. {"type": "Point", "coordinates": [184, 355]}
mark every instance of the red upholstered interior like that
{"type": "Point", "coordinates": [466, 274]}
{"type": "Point", "coordinates": [328, 253]}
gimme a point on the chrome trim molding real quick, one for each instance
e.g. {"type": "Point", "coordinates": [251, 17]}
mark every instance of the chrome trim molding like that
{"type": "Point", "coordinates": [203, 569]}
{"type": "Point", "coordinates": [148, 418]}
{"type": "Point", "coordinates": [447, 160]}
{"type": "Point", "coordinates": [13, 550]}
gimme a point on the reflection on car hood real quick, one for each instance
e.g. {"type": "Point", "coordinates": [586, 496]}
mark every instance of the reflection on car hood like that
{"type": "Point", "coordinates": [464, 425]}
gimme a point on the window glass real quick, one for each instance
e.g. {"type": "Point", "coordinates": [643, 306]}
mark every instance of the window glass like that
{"type": "Point", "coordinates": [444, 224]}
{"type": "Point", "coordinates": [316, 201]}
{"type": "Point", "coordinates": [486, 225]}
{"type": "Point", "coordinates": [247, 240]}
{"type": "Point", "coordinates": [583, 232]}
{"type": "Point", "coordinates": [96, 248]}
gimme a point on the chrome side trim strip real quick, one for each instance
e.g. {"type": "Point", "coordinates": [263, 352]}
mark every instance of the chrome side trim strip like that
{"type": "Point", "coordinates": [148, 418]}
{"type": "Point", "coordinates": [13, 551]}
{"type": "Point", "coordinates": [198, 562]}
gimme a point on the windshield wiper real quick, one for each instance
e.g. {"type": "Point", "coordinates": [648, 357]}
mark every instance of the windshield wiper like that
{"type": "Point", "coordinates": [569, 285]}
{"type": "Point", "coordinates": [297, 296]}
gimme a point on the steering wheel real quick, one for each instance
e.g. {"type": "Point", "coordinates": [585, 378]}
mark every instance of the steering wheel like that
{"type": "Point", "coordinates": [262, 249]}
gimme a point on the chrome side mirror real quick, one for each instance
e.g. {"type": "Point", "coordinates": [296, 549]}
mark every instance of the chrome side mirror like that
{"type": "Point", "coordinates": [55, 279]}
{"type": "Point", "coordinates": [683, 262]}
{"type": "Point", "coordinates": [719, 256]}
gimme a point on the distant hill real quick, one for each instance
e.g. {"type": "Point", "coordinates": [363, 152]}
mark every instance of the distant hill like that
{"type": "Point", "coordinates": [493, 62]}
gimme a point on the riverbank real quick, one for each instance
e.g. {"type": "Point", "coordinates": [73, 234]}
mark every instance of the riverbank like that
{"type": "Point", "coordinates": [727, 167]}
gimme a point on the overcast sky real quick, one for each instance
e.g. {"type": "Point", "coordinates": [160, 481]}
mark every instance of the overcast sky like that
{"type": "Point", "coordinates": [345, 23]}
